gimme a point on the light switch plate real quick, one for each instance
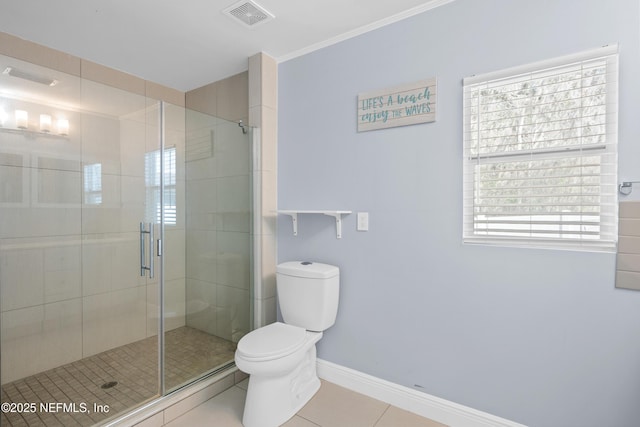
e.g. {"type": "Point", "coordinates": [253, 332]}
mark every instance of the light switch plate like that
{"type": "Point", "coordinates": [362, 221]}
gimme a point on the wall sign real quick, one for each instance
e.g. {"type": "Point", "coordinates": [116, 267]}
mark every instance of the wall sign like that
{"type": "Point", "coordinates": [398, 106]}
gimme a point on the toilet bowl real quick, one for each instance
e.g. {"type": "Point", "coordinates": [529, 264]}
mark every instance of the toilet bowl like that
{"type": "Point", "coordinates": [281, 362]}
{"type": "Point", "coordinates": [280, 358]}
{"type": "Point", "coordinates": [274, 349]}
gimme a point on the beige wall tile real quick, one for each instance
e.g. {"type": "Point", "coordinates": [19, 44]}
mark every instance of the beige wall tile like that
{"type": "Point", "coordinates": [62, 270]}
{"type": "Point", "coordinates": [268, 266]}
{"type": "Point", "coordinates": [629, 227]}
{"type": "Point", "coordinates": [22, 272]}
{"type": "Point", "coordinates": [269, 139]}
{"type": "Point", "coordinates": [203, 99]}
{"type": "Point", "coordinates": [56, 326]}
{"type": "Point", "coordinates": [628, 258]}
{"type": "Point", "coordinates": [262, 94]}
{"type": "Point", "coordinates": [113, 319]}
{"type": "Point", "coordinates": [628, 280]}
{"type": "Point", "coordinates": [38, 54]}
{"type": "Point", "coordinates": [108, 76]}
{"type": "Point", "coordinates": [630, 245]}
{"type": "Point", "coordinates": [628, 262]}
{"type": "Point", "coordinates": [175, 305]}
{"type": "Point", "coordinates": [44, 221]}
{"type": "Point", "coordinates": [227, 98]}
{"type": "Point", "coordinates": [269, 224]}
{"type": "Point", "coordinates": [263, 81]}
{"type": "Point", "coordinates": [153, 305]}
{"type": "Point", "coordinates": [202, 297]}
{"type": "Point", "coordinates": [163, 93]}
{"type": "Point", "coordinates": [269, 87]}
{"type": "Point", "coordinates": [255, 116]}
{"type": "Point", "coordinates": [233, 98]}
{"type": "Point", "coordinates": [269, 312]}
{"type": "Point", "coordinates": [629, 210]}
{"type": "Point", "coordinates": [269, 193]}
{"type": "Point", "coordinates": [255, 82]}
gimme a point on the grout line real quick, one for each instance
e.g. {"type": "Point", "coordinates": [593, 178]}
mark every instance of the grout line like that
{"type": "Point", "coordinates": [381, 415]}
{"type": "Point", "coordinates": [306, 419]}
{"type": "Point", "coordinates": [80, 381]}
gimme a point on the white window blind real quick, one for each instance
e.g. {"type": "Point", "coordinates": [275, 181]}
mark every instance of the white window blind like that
{"type": "Point", "coordinates": [540, 156]}
{"type": "Point", "coordinates": [93, 184]}
{"type": "Point", "coordinates": [152, 169]}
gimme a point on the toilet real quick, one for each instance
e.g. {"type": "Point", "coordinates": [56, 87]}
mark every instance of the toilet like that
{"type": "Point", "coordinates": [280, 358]}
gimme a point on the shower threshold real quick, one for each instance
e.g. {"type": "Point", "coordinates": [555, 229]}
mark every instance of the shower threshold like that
{"type": "Point", "coordinates": [91, 390]}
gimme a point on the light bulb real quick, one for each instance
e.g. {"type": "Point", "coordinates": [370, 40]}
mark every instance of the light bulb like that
{"type": "Point", "coordinates": [63, 127]}
{"type": "Point", "coordinates": [45, 123]}
{"type": "Point", "coordinates": [3, 117]}
{"type": "Point", "coordinates": [22, 119]}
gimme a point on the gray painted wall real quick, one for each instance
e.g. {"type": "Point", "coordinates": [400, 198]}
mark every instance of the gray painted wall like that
{"type": "Point", "coordinates": [541, 337]}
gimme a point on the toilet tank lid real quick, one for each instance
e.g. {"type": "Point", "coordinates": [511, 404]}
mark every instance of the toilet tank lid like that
{"type": "Point", "coordinates": [307, 269]}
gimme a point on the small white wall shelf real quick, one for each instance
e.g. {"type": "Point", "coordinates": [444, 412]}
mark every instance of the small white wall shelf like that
{"type": "Point", "coordinates": [336, 214]}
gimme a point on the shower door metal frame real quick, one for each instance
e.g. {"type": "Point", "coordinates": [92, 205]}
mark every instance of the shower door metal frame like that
{"type": "Point", "coordinates": [156, 250]}
{"type": "Point", "coordinates": [161, 284]}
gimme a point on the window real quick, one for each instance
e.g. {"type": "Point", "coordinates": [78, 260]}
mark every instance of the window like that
{"type": "Point", "coordinates": [540, 156]}
{"type": "Point", "coordinates": [152, 162]}
{"type": "Point", "coordinates": [93, 184]}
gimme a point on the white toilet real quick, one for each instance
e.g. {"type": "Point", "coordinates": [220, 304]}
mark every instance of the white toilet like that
{"type": "Point", "coordinates": [281, 357]}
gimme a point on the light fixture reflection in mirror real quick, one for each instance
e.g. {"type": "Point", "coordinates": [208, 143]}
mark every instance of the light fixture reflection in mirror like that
{"type": "Point", "coordinates": [45, 123]}
{"type": "Point", "coordinates": [63, 127]}
{"type": "Point", "coordinates": [49, 125]}
{"type": "Point", "coordinates": [22, 119]}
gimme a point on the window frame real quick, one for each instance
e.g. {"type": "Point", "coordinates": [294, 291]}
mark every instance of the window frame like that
{"type": "Point", "coordinates": [607, 225]}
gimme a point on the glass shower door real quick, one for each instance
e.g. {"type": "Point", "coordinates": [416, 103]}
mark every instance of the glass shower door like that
{"type": "Point", "coordinates": [208, 256]}
{"type": "Point", "coordinates": [40, 224]}
{"type": "Point", "coordinates": [82, 165]}
{"type": "Point", "coordinates": [120, 131]}
{"type": "Point", "coordinates": [79, 324]}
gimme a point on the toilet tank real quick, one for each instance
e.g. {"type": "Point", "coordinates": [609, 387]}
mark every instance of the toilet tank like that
{"type": "Point", "coordinates": [308, 294]}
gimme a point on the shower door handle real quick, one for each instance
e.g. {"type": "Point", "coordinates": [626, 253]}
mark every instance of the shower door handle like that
{"type": "Point", "coordinates": [144, 267]}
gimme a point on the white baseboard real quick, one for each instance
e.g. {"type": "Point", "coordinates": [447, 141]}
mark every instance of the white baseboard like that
{"type": "Point", "coordinates": [423, 404]}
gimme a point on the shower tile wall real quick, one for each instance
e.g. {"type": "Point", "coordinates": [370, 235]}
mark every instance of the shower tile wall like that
{"type": "Point", "coordinates": [628, 258]}
{"type": "Point", "coordinates": [263, 113]}
{"type": "Point", "coordinates": [218, 222]}
{"type": "Point", "coordinates": [54, 310]}
{"type": "Point", "coordinates": [175, 234]}
{"type": "Point", "coordinates": [40, 275]}
{"type": "Point", "coordinates": [218, 226]}
{"type": "Point", "coordinates": [114, 296]}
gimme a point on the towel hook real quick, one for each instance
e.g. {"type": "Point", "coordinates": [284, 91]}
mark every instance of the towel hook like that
{"type": "Point", "coordinates": [626, 187]}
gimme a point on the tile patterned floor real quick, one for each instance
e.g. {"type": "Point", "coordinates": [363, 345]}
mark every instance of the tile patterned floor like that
{"type": "Point", "coordinates": [189, 352]}
{"type": "Point", "coordinates": [332, 406]}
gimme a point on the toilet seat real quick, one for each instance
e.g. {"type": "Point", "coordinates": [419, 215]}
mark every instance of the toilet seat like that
{"type": "Point", "coordinates": [271, 342]}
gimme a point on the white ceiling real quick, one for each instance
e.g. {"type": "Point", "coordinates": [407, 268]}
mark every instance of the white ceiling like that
{"type": "Point", "coordinates": [185, 44]}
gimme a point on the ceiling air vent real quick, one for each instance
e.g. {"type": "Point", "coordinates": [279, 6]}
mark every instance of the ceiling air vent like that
{"type": "Point", "coordinates": [14, 72]}
{"type": "Point", "coordinates": [249, 13]}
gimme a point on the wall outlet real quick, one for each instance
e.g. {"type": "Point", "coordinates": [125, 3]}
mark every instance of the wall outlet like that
{"type": "Point", "coordinates": [362, 221]}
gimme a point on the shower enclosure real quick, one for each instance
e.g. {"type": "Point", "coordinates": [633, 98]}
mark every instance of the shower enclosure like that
{"type": "Point", "coordinates": [125, 246]}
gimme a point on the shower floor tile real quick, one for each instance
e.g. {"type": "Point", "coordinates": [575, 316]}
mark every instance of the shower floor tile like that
{"type": "Point", "coordinates": [77, 394]}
